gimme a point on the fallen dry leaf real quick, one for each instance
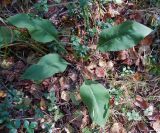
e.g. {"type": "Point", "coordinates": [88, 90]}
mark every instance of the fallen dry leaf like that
{"type": "Point", "coordinates": [149, 111]}
{"type": "Point", "coordinates": [43, 104]}
{"type": "Point", "coordinates": [85, 119]}
{"type": "Point", "coordinates": [142, 127]}
{"type": "Point", "coordinates": [112, 11]}
{"type": "Point", "coordinates": [100, 72]}
{"type": "Point", "coordinates": [147, 40]}
{"type": "Point", "coordinates": [65, 96]}
{"type": "Point", "coordinates": [122, 55]}
{"type": "Point", "coordinates": [144, 50]}
{"type": "Point", "coordinates": [91, 67]}
{"type": "Point", "coordinates": [117, 128]}
{"type": "Point", "coordinates": [110, 65]}
{"type": "Point", "coordinates": [140, 102]}
{"type": "Point", "coordinates": [102, 63]}
{"type": "Point", "coordinates": [137, 76]}
{"type": "Point", "coordinates": [2, 94]}
{"type": "Point", "coordinates": [156, 126]}
{"type": "Point", "coordinates": [7, 63]}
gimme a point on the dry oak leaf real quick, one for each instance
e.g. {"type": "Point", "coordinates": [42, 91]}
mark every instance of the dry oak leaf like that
{"type": "Point", "coordinates": [140, 102]}
{"type": "Point", "coordinates": [102, 63]}
{"type": "Point", "coordinates": [100, 72]}
{"type": "Point", "coordinates": [43, 104]}
{"type": "Point", "coordinates": [65, 95]}
{"type": "Point", "coordinates": [122, 55]}
{"type": "Point", "coordinates": [142, 127]}
{"type": "Point", "coordinates": [147, 40]}
{"type": "Point", "coordinates": [117, 128]}
{"type": "Point", "coordinates": [110, 65]}
{"type": "Point", "coordinates": [156, 126]}
{"type": "Point", "coordinates": [137, 76]}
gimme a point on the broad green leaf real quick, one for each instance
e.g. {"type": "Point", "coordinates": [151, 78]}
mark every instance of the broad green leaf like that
{"type": "Point", "coordinates": [6, 35]}
{"type": "Point", "coordinates": [47, 66]}
{"type": "Point", "coordinates": [26, 124]}
{"type": "Point", "coordinates": [96, 97]}
{"type": "Point", "coordinates": [13, 130]}
{"type": "Point", "coordinates": [33, 125]}
{"type": "Point", "coordinates": [17, 123]}
{"type": "Point", "coordinates": [123, 36]}
{"type": "Point", "coordinates": [40, 30]}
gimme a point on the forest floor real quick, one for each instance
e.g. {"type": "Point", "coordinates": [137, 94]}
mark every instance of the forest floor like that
{"type": "Point", "coordinates": [54, 105]}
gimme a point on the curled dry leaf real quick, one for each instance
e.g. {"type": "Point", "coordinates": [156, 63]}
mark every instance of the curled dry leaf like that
{"type": "Point", "coordinates": [137, 76]}
{"type": "Point", "coordinates": [64, 83]}
{"type": "Point", "coordinates": [117, 128]}
{"type": "Point", "coordinates": [122, 55]}
{"type": "Point", "coordinates": [88, 74]}
{"type": "Point", "coordinates": [111, 101]}
{"type": "Point", "coordinates": [147, 41]}
{"type": "Point", "coordinates": [112, 12]}
{"type": "Point", "coordinates": [85, 119]}
{"type": "Point", "coordinates": [145, 49]}
{"type": "Point", "coordinates": [91, 67]}
{"type": "Point", "coordinates": [73, 76]}
{"type": "Point", "coordinates": [102, 63]}
{"type": "Point", "coordinates": [2, 94]}
{"type": "Point", "coordinates": [149, 111]}
{"type": "Point", "coordinates": [142, 127]}
{"type": "Point", "coordinates": [140, 102]}
{"type": "Point", "coordinates": [65, 96]}
{"type": "Point", "coordinates": [109, 65]}
{"type": "Point", "coordinates": [43, 104]}
{"type": "Point", "coordinates": [100, 72]}
{"type": "Point", "coordinates": [156, 126]}
{"type": "Point", "coordinates": [7, 63]}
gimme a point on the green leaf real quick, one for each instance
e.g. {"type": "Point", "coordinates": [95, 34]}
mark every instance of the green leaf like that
{"type": "Point", "coordinates": [13, 130]}
{"type": "Point", "coordinates": [26, 124]}
{"type": "Point", "coordinates": [46, 67]}
{"type": "Point", "coordinates": [57, 115]}
{"type": "Point", "coordinates": [86, 130]}
{"type": "Point", "coordinates": [6, 35]}
{"type": "Point", "coordinates": [33, 125]}
{"type": "Point", "coordinates": [30, 130]}
{"type": "Point", "coordinates": [123, 36]}
{"type": "Point", "coordinates": [17, 123]}
{"type": "Point", "coordinates": [40, 30]}
{"type": "Point", "coordinates": [96, 97]}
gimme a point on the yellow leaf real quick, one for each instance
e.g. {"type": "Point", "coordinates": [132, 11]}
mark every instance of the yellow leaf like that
{"type": "Point", "coordinates": [2, 94]}
{"type": "Point", "coordinates": [43, 104]}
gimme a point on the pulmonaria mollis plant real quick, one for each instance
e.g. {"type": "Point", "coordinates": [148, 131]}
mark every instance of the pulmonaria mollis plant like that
{"type": "Point", "coordinates": [94, 95]}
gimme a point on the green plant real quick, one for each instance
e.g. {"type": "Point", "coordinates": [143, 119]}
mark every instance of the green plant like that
{"type": "Point", "coordinates": [133, 116]}
{"type": "Point", "coordinates": [40, 29]}
{"type": "Point", "coordinates": [116, 93]}
{"type": "Point", "coordinates": [80, 49]}
{"type": "Point", "coordinates": [123, 36]}
{"type": "Point", "coordinates": [30, 126]}
{"type": "Point", "coordinates": [126, 71]}
{"type": "Point", "coordinates": [41, 6]}
{"type": "Point", "coordinates": [152, 65]}
{"type": "Point", "coordinates": [96, 97]}
{"type": "Point", "coordinates": [13, 125]}
{"type": "Point", "coordinates": [46, 67]}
